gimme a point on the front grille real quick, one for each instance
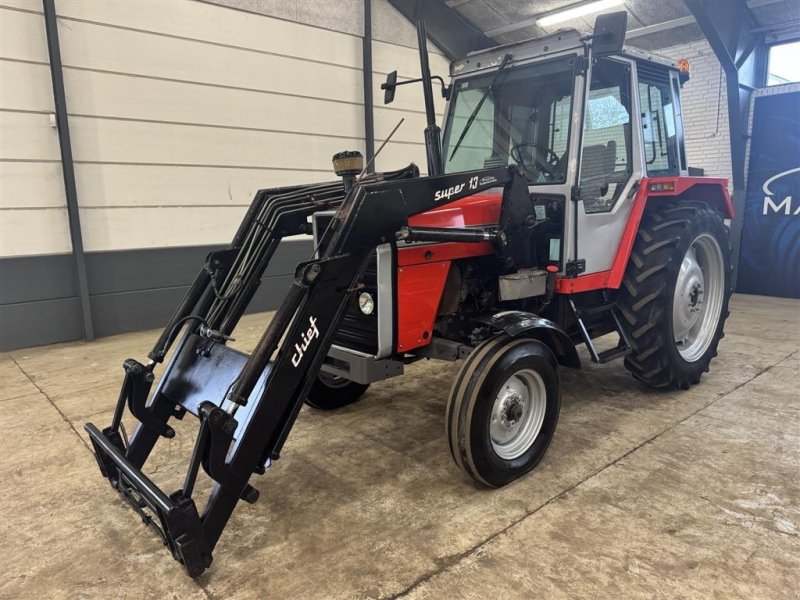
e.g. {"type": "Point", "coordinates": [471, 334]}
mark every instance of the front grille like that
{"type": "Point", "coordinates": [359, 331]}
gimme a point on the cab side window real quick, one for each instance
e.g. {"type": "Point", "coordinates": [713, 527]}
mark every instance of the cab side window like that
{"type": "Point", "coordinates": [659, 132]}
{"type": "Point", "coordinates": [606, 159]}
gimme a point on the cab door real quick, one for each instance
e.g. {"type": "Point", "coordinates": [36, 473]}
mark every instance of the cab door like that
{"type": "Point", "coordinates": [610, 163]}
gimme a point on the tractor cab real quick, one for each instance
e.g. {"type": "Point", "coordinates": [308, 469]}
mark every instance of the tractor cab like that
{"type": "Point", "coordinates": [584, 126]}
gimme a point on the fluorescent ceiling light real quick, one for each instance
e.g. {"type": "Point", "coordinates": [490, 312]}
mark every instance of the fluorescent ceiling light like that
{"type": "Point", "coordinates": [577, 11]}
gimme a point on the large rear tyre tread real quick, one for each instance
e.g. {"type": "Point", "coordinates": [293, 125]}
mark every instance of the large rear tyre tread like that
{"type": "Point", "coordinates": [646, 295]}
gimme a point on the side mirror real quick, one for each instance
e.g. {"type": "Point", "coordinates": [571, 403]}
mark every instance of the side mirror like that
{"type": "Point", "coordinates": [389, 86]}
{"type": "Point", "coordinates": [609, 33]}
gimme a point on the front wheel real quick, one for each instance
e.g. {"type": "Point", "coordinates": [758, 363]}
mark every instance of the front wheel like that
{"type": "Point", "coordinates": [331, 391]}
{"type": "Point", "coordinates": [503, 409]}
{"type": "Point", "coordinates": [674, 297]}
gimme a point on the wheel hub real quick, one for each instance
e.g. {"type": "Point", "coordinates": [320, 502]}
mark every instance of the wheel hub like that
{"type": "Point", "coordinates": [513, 410]}
{"type": "Point", "coordinates": [518, 414]}
{"type": "Point", "coordinates": [689, 292]}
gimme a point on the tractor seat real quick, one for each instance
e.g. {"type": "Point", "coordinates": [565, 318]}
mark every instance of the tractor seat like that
{"type": "Point", "coordinates": [597, 168]}
{"type": "Point", "coordinates": [598, 162]}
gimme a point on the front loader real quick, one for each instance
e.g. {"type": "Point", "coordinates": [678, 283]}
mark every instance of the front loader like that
{"type": "Point", "coordinates": [556, 210]}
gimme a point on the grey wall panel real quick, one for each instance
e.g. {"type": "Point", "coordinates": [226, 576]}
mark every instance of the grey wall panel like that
{"type": "Point", "coordinates": [36, 323]}
{"type": "Point", "coordinates": [33, 278]}
{"type": "Point", "coordinates": [151, 308]}
{"type": "Point", "coordinates": [132, 270]}
{"type": "Point", "coordinates": [129, 290]}
{"type": "Point", "coordinates": [134, 310]}
{"type": "Point", "coordinates": [271, 293]}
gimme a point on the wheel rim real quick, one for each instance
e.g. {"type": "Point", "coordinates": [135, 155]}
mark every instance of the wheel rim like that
{"type": "Point", "coordinates": [518, 414]}
{"type": "Point", "coordinates": [697, 302]}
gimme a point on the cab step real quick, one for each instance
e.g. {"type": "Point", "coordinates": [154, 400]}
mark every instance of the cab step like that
{"type": "Point", "coordinates": [622, 348]}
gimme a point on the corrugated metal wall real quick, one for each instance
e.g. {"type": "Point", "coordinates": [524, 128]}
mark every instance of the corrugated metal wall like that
{"type": "Point", "coordinates": [33, 214]}
{"type": "Point", "coordinates": [178, 114]}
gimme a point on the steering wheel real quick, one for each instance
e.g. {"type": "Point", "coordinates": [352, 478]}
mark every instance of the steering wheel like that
{"type": "Point", "coordinates": [547, 166]}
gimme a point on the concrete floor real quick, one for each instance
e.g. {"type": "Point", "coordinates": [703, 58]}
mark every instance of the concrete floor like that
{"type": "Point", "coordinates": [643, 494]}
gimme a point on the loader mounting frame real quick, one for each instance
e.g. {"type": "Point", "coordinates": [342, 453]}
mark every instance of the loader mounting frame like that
{"type": "Point", "coordinates": [247, 404]}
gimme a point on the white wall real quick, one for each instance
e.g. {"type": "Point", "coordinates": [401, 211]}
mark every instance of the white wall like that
{"type": "Point", "coordinates": [33, 215]}
{"type": "Point", "coordinates": [705, 109]}
{"type": "Point", "coordinates": [394, 48]}
{"type": "Point", "coordinates": [180, 112]}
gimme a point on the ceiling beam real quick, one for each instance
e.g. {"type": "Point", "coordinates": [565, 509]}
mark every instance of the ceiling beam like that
{"type": "Point", "coordinates": [654, 28]}
{"type": "Point", "coordinates": [447, 28]}
{"type": "Point", "coordinates": [658, 27]}
{"type": "Point", "coordinates": [760, 3]}
{"type": "Point", "coordinates": [632, 33]}
{"type": "Point", "coordinates": [513, 26]}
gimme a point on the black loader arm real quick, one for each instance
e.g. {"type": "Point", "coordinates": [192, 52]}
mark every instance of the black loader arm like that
{"type": "Point", "coordinates": [247, 404]}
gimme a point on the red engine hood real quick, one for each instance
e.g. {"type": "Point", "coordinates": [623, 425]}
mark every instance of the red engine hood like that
{"type": "Point", "coordinates": [481, 209]}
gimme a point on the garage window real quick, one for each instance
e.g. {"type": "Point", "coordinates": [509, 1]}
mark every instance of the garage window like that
{"type": "Point", "coordinates": [783, 64]}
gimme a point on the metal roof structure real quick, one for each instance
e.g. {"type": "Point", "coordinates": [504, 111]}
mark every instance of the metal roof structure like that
{"type": "Point", "coordinates": [652, 24]}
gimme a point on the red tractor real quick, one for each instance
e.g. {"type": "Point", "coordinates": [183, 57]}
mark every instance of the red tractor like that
{"type": "Point", "coordinates": [557, 209]}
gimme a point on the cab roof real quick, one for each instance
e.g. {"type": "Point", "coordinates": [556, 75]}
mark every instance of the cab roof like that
{"type": "Point", "coordinates": [564, 39]}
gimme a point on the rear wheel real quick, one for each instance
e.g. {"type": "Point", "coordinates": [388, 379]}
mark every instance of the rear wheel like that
{"type": "Point", "coordinates": [331, 391]}
{"type": "Point", "coordinates": [674, 297]}
{"type": "Point", "coordinates": [503, 409]}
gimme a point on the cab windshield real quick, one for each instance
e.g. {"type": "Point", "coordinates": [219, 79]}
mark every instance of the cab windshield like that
{"type": "Point", "coordinates": [524, 120]}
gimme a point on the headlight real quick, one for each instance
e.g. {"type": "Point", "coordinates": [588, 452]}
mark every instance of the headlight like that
{"type": "Point", "coordinates": [366, 303]}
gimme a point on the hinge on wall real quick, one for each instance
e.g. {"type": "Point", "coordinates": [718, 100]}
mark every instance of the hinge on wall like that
{"type": "Point", "coordinates": [575, 267]}
{"type": "Point", "coordinates": [575, 193]}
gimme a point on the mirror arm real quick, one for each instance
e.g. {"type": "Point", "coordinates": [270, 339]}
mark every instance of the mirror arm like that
{"type": "Point", "coordinates": [445, 87]}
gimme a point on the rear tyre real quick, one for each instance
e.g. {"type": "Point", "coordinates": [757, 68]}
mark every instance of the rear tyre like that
{"type": "Point", "coordinates": [674, 297]}
{"type": "Point", "coordinates": [330, 392]}
{"type": "Point", "coordinates": [503, 409]}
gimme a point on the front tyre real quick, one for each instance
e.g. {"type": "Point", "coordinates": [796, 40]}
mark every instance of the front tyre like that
{"type": "Point", "coordinates": [674, 297]}
{"type": "Point", "coordinates": [331, 391]}
{"type": "Point", "coordinates": [503, 409]}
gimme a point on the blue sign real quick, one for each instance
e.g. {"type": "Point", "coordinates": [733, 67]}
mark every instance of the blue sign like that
{"type": "Point", "coordinates": [769, 259]}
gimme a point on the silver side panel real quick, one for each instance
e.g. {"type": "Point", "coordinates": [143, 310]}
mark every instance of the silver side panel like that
{"type": "Point", "coordinates": [386, 306]}
{"type": "Point", "coordinates": [315, 226]}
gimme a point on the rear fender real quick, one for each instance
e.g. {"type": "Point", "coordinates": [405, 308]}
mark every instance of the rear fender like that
{"type": "Point", "coordinates": [517, 323]}
{"type": "Point", "coordinates": [712, 190]}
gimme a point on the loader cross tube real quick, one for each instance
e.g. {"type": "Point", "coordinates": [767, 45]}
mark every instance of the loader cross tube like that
{"type": "Point", "coordinates": [271, 393]}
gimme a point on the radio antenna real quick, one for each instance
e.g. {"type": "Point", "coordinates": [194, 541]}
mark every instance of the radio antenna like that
{"type": "Point", "coordinates": [386, 141]}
